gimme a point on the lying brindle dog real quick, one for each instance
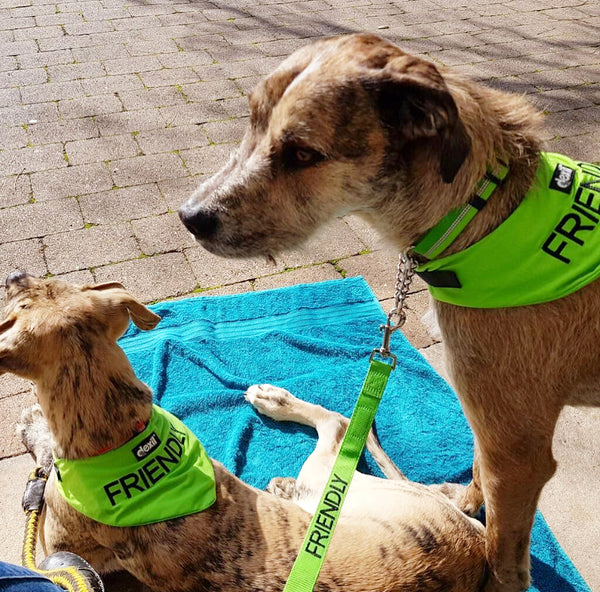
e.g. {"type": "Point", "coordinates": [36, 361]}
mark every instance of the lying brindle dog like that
{"type": "Point", "coordinates": [392, 534]}
{"type": "Point", "coordinates": [354, 124]}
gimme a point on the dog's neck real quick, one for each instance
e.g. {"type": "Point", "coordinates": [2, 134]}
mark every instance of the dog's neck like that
{"type": "Point", "coordinates": [501, 129]}
{"type": "Point", "coordinates": [93, 401]}
{"type": "Point", "coordinates": [498, 129]}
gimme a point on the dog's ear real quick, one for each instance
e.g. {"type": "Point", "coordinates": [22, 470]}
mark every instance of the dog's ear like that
{"type": "Point", "coordinates": [10, 358]}
{"type": "Point", "coordinates": [143, 317]}
{"type": "Point", "coordinates": [414, 102]}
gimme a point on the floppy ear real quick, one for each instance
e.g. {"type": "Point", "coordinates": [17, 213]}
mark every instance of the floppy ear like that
{"type": "Point", "coordinates": [143, 317]}
{"type": "Point", "coordinates": [7, 356]}
{"type": "Point", "coordinates": [414, 102]}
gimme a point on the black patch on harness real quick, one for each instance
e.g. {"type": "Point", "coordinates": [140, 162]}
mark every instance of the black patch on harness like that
{"type": "Point", "coordinates": [440, 279]}
{"type": "Point", "coordinates": [562, 179]}
{"type": "Point", "coordinates": [146, 446]}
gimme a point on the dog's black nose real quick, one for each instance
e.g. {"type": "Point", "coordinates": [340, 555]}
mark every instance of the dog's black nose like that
{"type": "Point", "coordinates": [17, 278]}
{"type": "Point", "coordinates": [202, 223]}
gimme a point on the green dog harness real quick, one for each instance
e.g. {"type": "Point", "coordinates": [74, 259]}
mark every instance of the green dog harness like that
{"type": "Point", "coordinates": [548, 248]}
{"type": "Point", "coordinates": [160, 474]}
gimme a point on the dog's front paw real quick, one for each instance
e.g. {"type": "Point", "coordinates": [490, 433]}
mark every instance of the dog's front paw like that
{"type": "Point", "coordinates": [284, 487]}
{"type": "Point", "coordinates": [35, 434]}
{"type": "Point", "coordinates": [470, 500]}
{"type": "Point", "coordinates": [272, 401]}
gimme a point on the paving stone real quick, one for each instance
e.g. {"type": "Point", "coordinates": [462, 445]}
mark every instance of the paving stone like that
{"type": "Point", "coordinates": [578, 147]}
{"type": "Point", "coordinates": [181, 137]}
{"type": "Point", "coordinates": [10, 413]}
{"type": "Point", "coordinates": [434, 354]}
{"type": "Point", "coordinates": [61, 18]}
{"type": "Point", "coordinates": [68, 72]}
{"type": "Point", "coordinates": [152, 278]}
{"type": "Point", "coordinates": [151, 97]}
{"type": "Point", "coordinates": [62, 131]}
{"type": "Point", "coordinates": [206, 160]}
{"type": "Point", "coordinates": [223, 132]}
{"type": "Point", "coordinates": [90, 247]}
{"type": "Point", "coordinates": [51, 91]}
{"type": "Point", "coordinates": [176, 191]}
{"type": "Point", "coordinates": [25, 114]}
{"type": "Point", "coordinates": [160, 234]}
{"type": "Point", "coordinates": [238, 107]}
{"type": "Point", "coordinates": [15, 190]}
{"type": "Point", "coordinates": [112, 124]}
{"type": "Point", "coordinates": [146, 169]}
{"type": "Point", "coordinates": [17, 48]}
{"type": "Point", "coordinates": [23, 77]}
{"type": "Point", "coordinates": [193, 113]}
{"type": "Point", "coordinates": [101, 149]}
{"type": "Point", "coordinates": [39, 219]}
{"type": "Point", "coordinates": [12, 385]}
{"type": "Point", "coordinates": [132, 65]}
{"type": "Point", "coordinates": [306, 275]}
{"type": "Point", "coordinates": [212, 270]}
{"type": "Point", "coordinates": [334, 241]}
{"type": "Point", "coordinates": [46, 58]}
{"type": "Point", "coordinates": [207, 91]}
{"type": "Point", "coordinates": [83, 277]}
{"type": "Point", "coordinates": [379, 270]}
{"type": "Point", "coordinates": [167, 76]}
{"type": "Point", "coordinates": [415, 331]}
{"type": "Point", "coordinates": [133, 24]}
{"type": "Point", "coordinates": [70, 181]}
{"type": "Point", "coordinates": [112, 84]}
{"type": "Point", "coordinates": [129, 203]}
{"type": "Point", "coordinates": [13, 137]}
{"type": "Point", "coordinates": [367, 234]}
{"type": "Point", "coordinates": [27, 255]}
{"type": "Point", "coordinates": [237, 288]}
{"type": "Point", "coordinates": [112, 51]}
{"type": "Point", "coordinates": [15, 471]}
{"type": "Point", "coordinates": [185, 59]}
{"type": "Point", "coordinates": [89, 106]}
{"type": "Point", "coordinates": [7, 63]}
{"type": "Point", "coordinates": [559, 100]}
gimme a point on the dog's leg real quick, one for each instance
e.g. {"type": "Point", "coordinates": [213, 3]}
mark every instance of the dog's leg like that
{"type": "Point", "coordinates": [470, 499]}
{"type": "Point", "coordinates": [279, 404]}
{"type": "Point", "coordinates": [512, 489]}
{"type": "Point", "coordinates": [35, 435]}
{"type": "Point", "coordinates": [515, 461]}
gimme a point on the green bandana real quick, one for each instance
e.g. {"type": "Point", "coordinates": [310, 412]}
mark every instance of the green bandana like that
{"type": "Point", "coordinates": [546, 249]}
{"type": "Point", "coordinates": [160, 474]}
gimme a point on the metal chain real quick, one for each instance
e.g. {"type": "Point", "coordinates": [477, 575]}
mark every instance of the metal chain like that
{"type": "Point", "coordinates": [404, 276]}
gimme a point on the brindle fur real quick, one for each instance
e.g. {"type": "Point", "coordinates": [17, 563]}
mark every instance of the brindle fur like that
{"type": "Point", "coordinates": [353, 124]}
{"type": "Point", "coordinates": [393, 534]}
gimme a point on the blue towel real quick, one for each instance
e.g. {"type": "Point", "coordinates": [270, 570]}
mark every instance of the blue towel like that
{"type": "Point", "coordinates": [315, 341]}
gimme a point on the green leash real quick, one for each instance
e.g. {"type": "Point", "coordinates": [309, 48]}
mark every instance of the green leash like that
{"type": "Point", "coordinates": [308, 564]}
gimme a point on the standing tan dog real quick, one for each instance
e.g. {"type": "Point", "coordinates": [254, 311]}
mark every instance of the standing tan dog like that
{"type": "Point", "coordinates": [393, 535]}
{"type": "Point", "coordinates": [353, 124]}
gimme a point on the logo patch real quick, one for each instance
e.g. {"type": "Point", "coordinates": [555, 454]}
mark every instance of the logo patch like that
{"type": "Point", "coordinates": [562, 179]}
{"type": "Point", "coordinates": [146, 446]}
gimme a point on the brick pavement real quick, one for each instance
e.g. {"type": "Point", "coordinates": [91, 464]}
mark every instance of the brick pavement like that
{"type": "Point", "coordinates": [112, 111]}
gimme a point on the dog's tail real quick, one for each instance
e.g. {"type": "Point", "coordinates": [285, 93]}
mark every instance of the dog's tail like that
{"type": "Point", "coordinates": [385, 463]}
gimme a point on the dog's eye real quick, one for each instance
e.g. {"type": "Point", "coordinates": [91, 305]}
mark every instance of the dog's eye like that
{"type": "Point", "coordinates": [297, 157]}
{"type": "Point", "coordinates": [304, 156]}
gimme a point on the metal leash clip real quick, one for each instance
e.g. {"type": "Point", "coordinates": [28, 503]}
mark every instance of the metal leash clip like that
{"type": "Point", "coordinates": [404, 276]}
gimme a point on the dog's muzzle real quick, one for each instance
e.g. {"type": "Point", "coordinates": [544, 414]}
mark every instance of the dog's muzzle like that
{"type": "Point", "coordinates": [17, 278]}
{"type": "Point", "coordinates": [201, 222]}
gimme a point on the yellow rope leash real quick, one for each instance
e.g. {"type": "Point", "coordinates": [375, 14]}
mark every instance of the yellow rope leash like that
{"type": "Point", "coordinates": [69, 578]}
